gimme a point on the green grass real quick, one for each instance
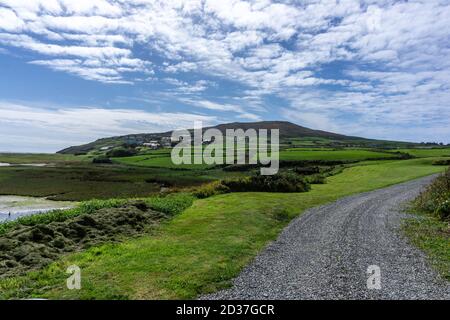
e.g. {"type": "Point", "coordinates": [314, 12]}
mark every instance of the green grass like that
{"type": "Point", "coordinates": [431, 235]}
{"type": "Point", "coordinates": [299, 154]}
{"type": "Point", "coordinates": [158, 161]}
{"type": "Point", "coordinates": [202, 249]}
{"type": "Point", "coordinates": [30, 158]}
{"type": "Point", "coordinates": [77, 182]}
{"type": "Point", "coordinates": [424, 153]}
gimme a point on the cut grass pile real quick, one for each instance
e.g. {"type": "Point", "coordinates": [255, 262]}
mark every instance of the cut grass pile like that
{"type": "Point", "coordinates": [202, 249]}
{"type": "Point", "coordinates": [25, 248]}
{"type": "Point", "coordinates": [171, 204]}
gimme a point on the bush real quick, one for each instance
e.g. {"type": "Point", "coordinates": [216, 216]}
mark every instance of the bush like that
{"type": "Point", "coordinates": [210, 189]}
{"type": "Point", "coordinates": [281, 182]}
{"type": "Point", "coordinates": [316, 179]}
{"type": "Point", "coordinates": [444, 162]}
{"type": "Point", "coordinates": [443, 209]}
{"type": "Point", "coordinates": [307, 170]}
{"type": "Point", "coordinates": [121, 152]}
{"type": "Point", "coordinates": [436, 197]}
{"type": "Point", "coordinates": [101, 159]}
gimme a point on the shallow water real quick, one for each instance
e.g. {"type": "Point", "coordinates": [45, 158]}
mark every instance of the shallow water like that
{"type": "Point", "coordinates": [13, 207]}
{"type": "Point", "coordinates": [4, 164]}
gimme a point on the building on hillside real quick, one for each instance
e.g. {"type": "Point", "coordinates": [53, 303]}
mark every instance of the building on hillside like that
{"type": "Point", "coordinates": [153, 144]}
{"type": "Point", "coordinates": [166, 142]}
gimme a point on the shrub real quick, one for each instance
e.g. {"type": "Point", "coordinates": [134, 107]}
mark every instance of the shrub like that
{"type": "Point", "coordinates": [281, 182]}
{"type": "Point", "coordinates": [210, 189]}
{"type": "Point", "coordinates": [307, 170]}
{"type": "Point", "coordinates": [121, 152]}
{"type": "Point", "coordinates": [443, 162]}
{"type": "Point", "coordinates": [101, 159]}
{"type": "Point", "coordinates": [436, 197]}
{"type": "Point", "coordinates": [316, 179]}
{"type": "Point", "coordinates": [443, 209]}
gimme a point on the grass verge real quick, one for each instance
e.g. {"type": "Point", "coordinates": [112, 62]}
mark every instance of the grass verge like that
{"type": "Point", "coordinates": [431, 235]}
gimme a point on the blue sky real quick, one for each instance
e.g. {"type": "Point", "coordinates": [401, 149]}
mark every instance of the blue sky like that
{"type": "Point", "coordinates": [75, 71]}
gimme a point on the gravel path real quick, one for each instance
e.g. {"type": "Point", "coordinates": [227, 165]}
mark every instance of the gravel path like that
{"type": "Point", "coordinates": [325, 253]}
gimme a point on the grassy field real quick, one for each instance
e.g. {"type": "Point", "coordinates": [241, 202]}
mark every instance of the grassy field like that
{"type": "Point", "coordinates": [202, 249]}
{"type": "Point", "coordinates": [76, 183]}
{"type": "Point", "coordinates": [33, 158]}
{"type": "Point", "coordinates": [299, 154]}
{"type": "Point", "coordinates": [85, 181]}
{"type": "Point", "coordinates": [424, 153]}
{"type": "Point", "coordinates": [158, 161]}
{"type": "Point", "coordinates": [164, 161]}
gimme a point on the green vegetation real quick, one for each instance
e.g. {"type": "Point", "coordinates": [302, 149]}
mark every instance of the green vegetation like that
{"type": "Point", "coordinates": [77, 182]}
{"type": "Point", "coordinates": [203, 248]}
{"type": "Point", "coordinates": [35, 241]}
{"type": "Point", "coordinates": [442, 162]}
{"type": "Point", "coordinates": [425, 153]}
{"type": "Point", "coordinates": [158, 161]}
{"type": "Point", "coordinates": [281, 182]}
{"type": "Point", "coordinates": [191, 246]}
{"type": "Point", "coordinates": [171, 204]}
{"type": "Point", "coordinates": [432, 235]}
{"type": "Point", "coordinates": [352, 154]}
{"type": "Point", "coordinates": [429, 228]}
{"type": "Point", "coordinates": [32, 158]}
{"type": "Point", "coordinates": [435, 199]}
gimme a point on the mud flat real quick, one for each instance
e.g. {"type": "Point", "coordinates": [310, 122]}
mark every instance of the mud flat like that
{"type": "Point", "coordinates": [13, 207]}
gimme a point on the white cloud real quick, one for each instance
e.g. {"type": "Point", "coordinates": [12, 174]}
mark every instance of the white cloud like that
{"type": "Point", "coordinates": [59, 127]}
{"type": "Point", "coordinates": [390, 58]}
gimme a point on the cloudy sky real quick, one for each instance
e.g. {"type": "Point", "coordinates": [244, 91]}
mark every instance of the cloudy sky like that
{"type": "Point", "coordinates": [73, 71]}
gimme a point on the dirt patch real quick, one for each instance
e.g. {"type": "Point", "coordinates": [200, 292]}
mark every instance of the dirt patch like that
{"type": "Point", "coordinates": [26, 248]}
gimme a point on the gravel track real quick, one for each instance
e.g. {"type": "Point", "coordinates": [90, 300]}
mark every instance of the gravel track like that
{"type": "Point", "coordinates": [325, 253]}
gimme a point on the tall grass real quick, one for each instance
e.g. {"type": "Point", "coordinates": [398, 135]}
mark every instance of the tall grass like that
{"type": "Point", "coordinates": [436, 197]}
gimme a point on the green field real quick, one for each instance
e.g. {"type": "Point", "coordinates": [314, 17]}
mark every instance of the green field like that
{"type": "Point", "coordinates": [202, 249]}
{"type": "Point", "coordinates": [158, 161]}
{"type": "Point", "coordinates": [32, 158]}
{"type": "Point", "coordinates": [293, 154]}
{"type": "Point", "coordinates": [300, 154]}
{"type": "Point", "coordinates": [424, 153]}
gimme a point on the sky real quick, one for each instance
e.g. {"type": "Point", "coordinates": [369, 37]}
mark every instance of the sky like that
{"type": "Point", "coordinates": [74, 71]}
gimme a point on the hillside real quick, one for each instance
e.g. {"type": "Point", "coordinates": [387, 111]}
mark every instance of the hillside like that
{"type": "Point", "coordinates": [288, 132]}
